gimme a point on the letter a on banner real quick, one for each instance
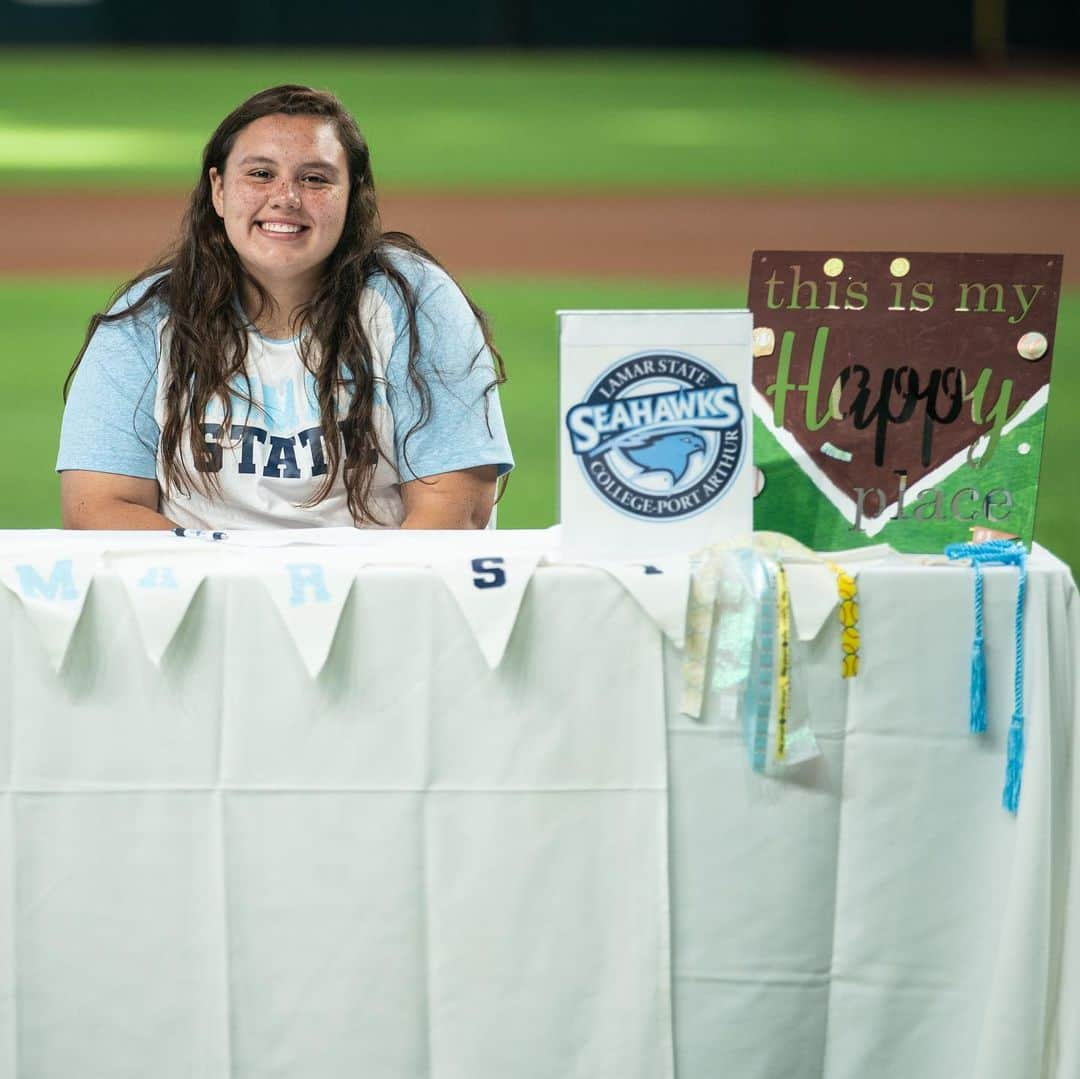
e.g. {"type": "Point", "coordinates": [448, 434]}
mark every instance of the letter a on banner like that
{"type": "Point", "coordinates": [52, 588]}
{"type": "Point", "coordinates": [489, 590]}
{"type": "Point", "coordinates": [310, 596]}
{"type": "Point", "coordinates": [160, 588]}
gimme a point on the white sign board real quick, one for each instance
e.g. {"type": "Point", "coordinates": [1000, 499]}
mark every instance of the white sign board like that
{"type": "Point", "coordinates": [655, 430]}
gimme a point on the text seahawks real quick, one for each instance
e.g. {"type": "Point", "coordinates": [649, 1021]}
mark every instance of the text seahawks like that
{"type": "Point", "coordinates": [716, 407]}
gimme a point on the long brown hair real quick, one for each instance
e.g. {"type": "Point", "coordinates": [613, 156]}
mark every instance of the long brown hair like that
{"type": "Point", "coordinates": [198, 279]}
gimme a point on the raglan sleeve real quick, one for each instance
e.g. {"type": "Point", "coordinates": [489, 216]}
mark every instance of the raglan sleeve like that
{"type": "Point", "coordinates": [108, 423]}
{"type": "Point", "coordinates": [463, 427]}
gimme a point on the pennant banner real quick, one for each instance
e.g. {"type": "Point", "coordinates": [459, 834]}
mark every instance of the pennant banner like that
{"type": "Point", "coordinates": [53, 589]}
{"type": "Point", "coordinates": [309, 592]}
{"type": "Point", "coordinates": [661, 587]}
{"type": "Point", "coordinates": [489, 590]}
{"type": "Point", "coordinates": [160, 588]}
{"type": "Point", "coordinates": [813, 596]}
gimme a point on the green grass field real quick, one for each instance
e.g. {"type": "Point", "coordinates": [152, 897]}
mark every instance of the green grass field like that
{"type": "Point", "coordinates": [482, 121]}
{"type": "Point", "coordinates": [533, 122]}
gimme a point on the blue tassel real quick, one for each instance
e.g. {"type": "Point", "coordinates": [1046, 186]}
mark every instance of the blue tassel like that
{"type": "Point", "coordinates": [1014, 767]}
{"type": "Point", "coordinates": [1011, 554]}
{"type": "Point", "coordinates": [978, 687]}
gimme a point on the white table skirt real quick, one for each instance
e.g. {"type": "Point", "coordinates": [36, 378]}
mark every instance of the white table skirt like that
{"type": "Point", "coordinates": [415, 865]}
{"type": "Point", "coordinates": [878, 914]}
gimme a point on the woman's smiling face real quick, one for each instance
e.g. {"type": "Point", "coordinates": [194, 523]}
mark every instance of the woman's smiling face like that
{"type": "Point", "coordinates": [283, 195]}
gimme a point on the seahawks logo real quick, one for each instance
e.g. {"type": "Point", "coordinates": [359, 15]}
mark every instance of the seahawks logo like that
{"type": "Point", "coordinates": [659, 435]}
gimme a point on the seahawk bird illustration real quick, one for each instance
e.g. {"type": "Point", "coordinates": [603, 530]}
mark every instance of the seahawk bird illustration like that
{"type": "Point", "coordinates": [664, 451]}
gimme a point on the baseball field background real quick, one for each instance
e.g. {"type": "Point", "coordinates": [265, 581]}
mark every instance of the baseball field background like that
{"type": "Point", "coordinates": [544, 181]}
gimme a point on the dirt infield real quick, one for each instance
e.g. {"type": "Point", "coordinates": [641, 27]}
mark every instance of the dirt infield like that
{"type": "Point", "coordinates": [652, 236]}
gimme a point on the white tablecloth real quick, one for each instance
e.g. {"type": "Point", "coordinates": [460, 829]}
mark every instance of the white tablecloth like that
{"type": "Point", "coordinates": [878, 915]}
{"type": "Point", "coordinates": [417, 864]}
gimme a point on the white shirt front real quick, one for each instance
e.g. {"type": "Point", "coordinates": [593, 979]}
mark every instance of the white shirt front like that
{"type": "Point", "coordinates": [272, 458]}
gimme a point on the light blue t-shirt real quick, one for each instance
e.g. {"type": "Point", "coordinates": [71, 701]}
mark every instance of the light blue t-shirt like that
{"type": "Point", "coordinates": [272, 459]}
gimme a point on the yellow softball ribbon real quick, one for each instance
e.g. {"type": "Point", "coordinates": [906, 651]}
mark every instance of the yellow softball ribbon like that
{"type": "Point", "coordinates": [783, 667]}
{"type": "Point", "coordinates": [849, 620]}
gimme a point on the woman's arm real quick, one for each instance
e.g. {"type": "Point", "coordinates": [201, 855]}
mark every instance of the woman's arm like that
{"type": "Point", "coordinates": [109, 435]}
{"type": "Point", "coordinates": [450, 500]}
{"type": "Point", "coordinates": [106, 501]}
{"type": "Point", "coordinates": [449, 451]}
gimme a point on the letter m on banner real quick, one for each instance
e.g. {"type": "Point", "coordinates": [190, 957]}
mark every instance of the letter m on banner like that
{"type": "Point", "coordinates": [60, 584]}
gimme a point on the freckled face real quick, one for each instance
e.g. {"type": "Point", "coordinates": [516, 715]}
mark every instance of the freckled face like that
{"type": "Point", "coordinates": [283, 195]}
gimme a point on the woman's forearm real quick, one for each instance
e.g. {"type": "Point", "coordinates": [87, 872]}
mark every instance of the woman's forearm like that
{"type": "Point", "coordinates": [102, 500]}
{"type": "Point", "coordinates": [115, 515]}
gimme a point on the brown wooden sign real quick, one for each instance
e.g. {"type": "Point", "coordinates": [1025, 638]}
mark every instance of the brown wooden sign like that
{"type": "Point", "coordinates": [901, 396]}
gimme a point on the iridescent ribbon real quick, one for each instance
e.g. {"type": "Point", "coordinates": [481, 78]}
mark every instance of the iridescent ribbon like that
{"type": "Point", "coordinates": [733, 632]}
{"type": "Point", "coordinates": [741, 625]}
{"type": "Point", "coordinates": [757, 696]}
{"type": "Point", "coordinates": [998, 552]}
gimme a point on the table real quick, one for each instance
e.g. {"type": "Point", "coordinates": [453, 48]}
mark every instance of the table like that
{"type": "Point", "coordinates": [398, 850]}
{"type": "Point", "coordinates": [879, 914]}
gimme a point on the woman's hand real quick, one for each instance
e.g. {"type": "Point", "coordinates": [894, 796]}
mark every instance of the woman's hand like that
{"type": "Point", "coordinates": [460, 499]}
{"type": "Point", "coordinates": [106, 501]}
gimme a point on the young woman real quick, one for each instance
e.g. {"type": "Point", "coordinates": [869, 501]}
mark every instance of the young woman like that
{"type": "Point", "coordinates": [289, 363]}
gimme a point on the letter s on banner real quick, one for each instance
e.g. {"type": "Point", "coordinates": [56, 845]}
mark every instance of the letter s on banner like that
{"type": "Point", "coordinates": [489, 573]}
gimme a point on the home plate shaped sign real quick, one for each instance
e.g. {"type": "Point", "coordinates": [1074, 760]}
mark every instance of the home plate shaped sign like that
{"type": "Point", "coordinates": [654, 451]}
{"type": "Point", "coordinates": [900, 397]}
